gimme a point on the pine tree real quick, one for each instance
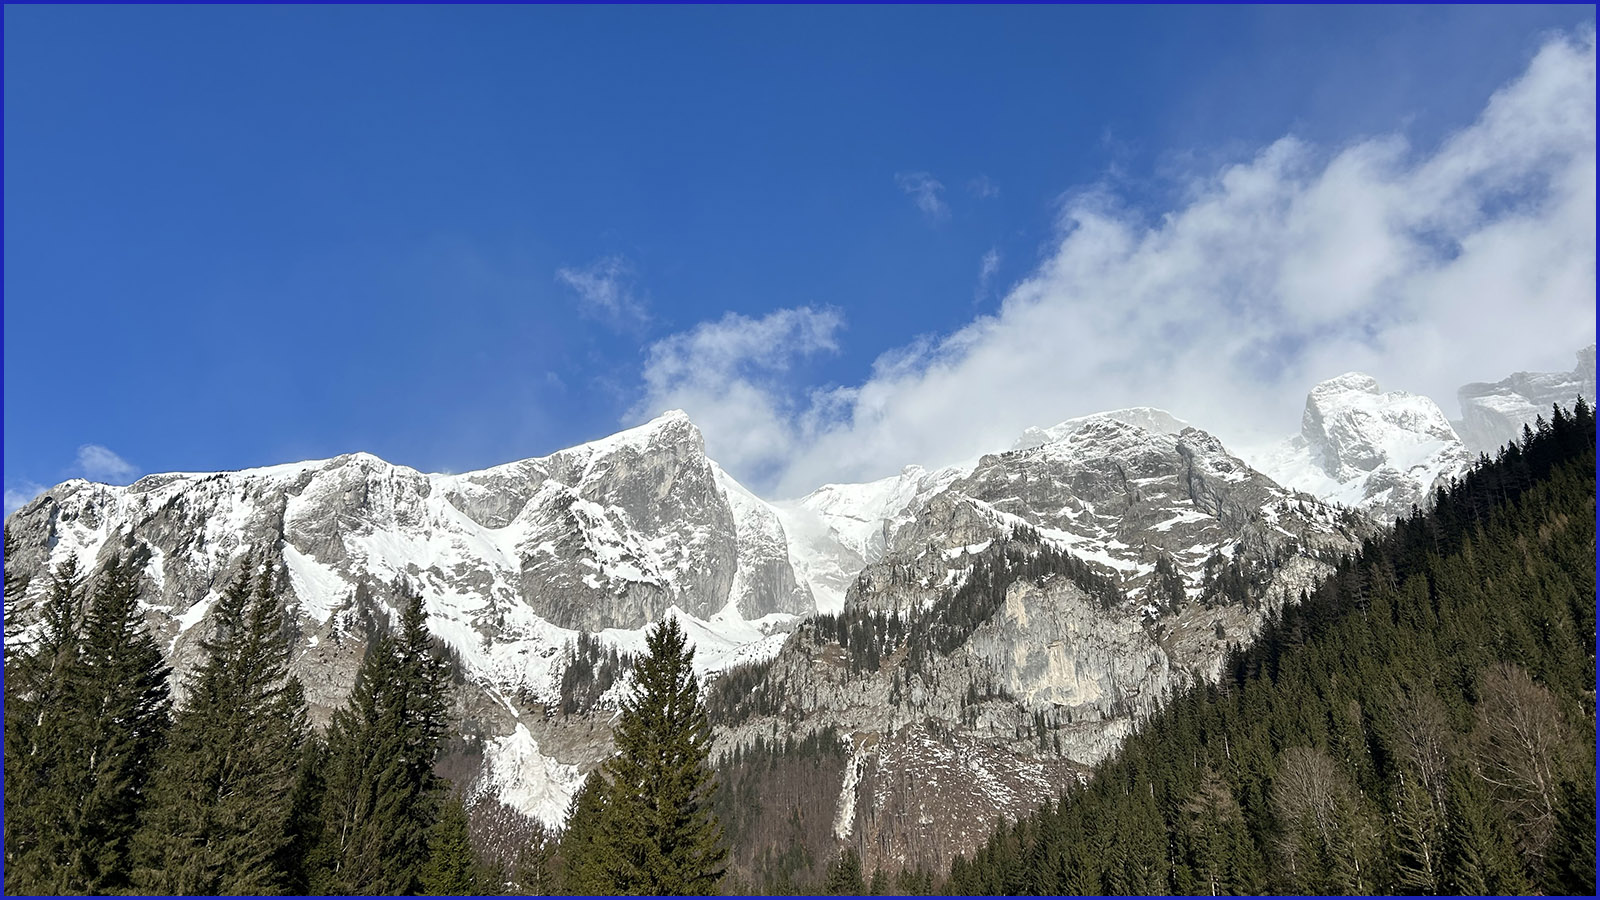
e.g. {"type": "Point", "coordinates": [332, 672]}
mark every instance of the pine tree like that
{"type": "Point", "coordinates": [382, 795]}
{"type": "Point", "coordinates": [657, 833]}
{"type": "Point", "coordinates": [1417, 840]}
{"type": "Point", "coordinates": [122, 685]}
{"type": "Point", "coordinates": [222, 798]}
{"type": "Point", "coordinates": [37, 752]}
{"type": "Point", "coordinates": [453, 868]}
{"type": "Point", "coordinates": [536, 873]}
{"type": "Point", "coordinates": [305, 812]}
{"type": "Point", "coordinates": [1574, 866]}
{"type": "Point", "coordinates": [584, 857]}
{"type": "Point", "coordinates": [1214, 844]}
{"type": "Point", "coordinates": [94, 713]}
{"type": "Point", "coordinates": [844, 875]}
{"type": "Point", "coordinates": [1478, 857]}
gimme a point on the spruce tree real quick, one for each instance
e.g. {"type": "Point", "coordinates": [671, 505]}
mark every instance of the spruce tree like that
{"type": "Point", "coordinates": [1575, 866]}
{"type": "Point", "coordinates": [657, 832]}
{"type": "Point", "coordinates": [1478, 856]}
{"type": "Point", "coordinates": [220, 815]}
{"type": "Point", "coordinates": [382, 795]}
{"type": "Point", "coordinates": [453, 868]}
{"type": "Point", "coordinates": [535, 871]}
{"type": "Point", "coordinates": [583, 864]}
{"type": "Point", "coordinates": [121, 685]}
{"type": "Point", "coordinates": [844, 875]}
{"type": "Point", "coordinates": [305, 812]}
{"type": "Point", "coordinates": [37, 720]}
{"type": "Point", "coordinates": [93, 711]}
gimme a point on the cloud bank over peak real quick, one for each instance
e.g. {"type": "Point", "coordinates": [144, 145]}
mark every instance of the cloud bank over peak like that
{"type": "Point", "coordinates": [1424, 267]}
{"type": "Point", "coordinates": [731, 376]}
{"type": "Point", "coordinates": [99, 463]}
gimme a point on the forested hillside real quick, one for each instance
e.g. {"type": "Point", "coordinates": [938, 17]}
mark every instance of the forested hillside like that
{"type": "Point", "coordinates": [1421, 722]}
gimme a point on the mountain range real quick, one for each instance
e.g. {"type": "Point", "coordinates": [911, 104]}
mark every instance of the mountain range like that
{"type": "Point", "coordinates": [975, 635]}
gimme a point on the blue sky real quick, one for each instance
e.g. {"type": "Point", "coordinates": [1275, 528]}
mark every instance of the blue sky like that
{"type": "Point", "coordinates": [237, 236]}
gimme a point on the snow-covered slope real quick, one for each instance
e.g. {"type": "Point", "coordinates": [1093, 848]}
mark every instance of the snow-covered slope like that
{"type": "Point", "coordinates": [1368, 449]}
{"type": "Point", "coordinates": [836, 530]}
{"type": "Point", "coordinates": [1493, 414]}
{"type": "Point", "coordinates": [513, 561]}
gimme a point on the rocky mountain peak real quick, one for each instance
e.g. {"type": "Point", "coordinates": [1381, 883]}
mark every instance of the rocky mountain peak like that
{"type": "Point", "coordinates": [1380, 451]}
{"type": "Point", "coordinates": [1494, 413]}
{"type": "Point", "coordinates": [1353, 427]}
{"type": "Point", "coordinates": [1148, 418]}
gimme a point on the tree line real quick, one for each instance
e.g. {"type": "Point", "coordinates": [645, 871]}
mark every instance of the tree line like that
{"type": "Point", "coordinates": [111, 789]}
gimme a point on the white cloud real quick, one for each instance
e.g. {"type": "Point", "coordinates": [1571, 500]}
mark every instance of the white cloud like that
{"type": "Point", "coordinates": [926, 192]}
{"type": "Point", "coordinates": [18, 497]}
{"type": "Point", "coordinates": [728, 375]}
{"type": "Point", "coordinates": [987, 267]}
{"type": "Point", "coordinates": [983, 187]}
{"type": "Point", "coordinates": [605, 289]}
{"type": "Point", "coordinates": [1425, 267]}
{"type": "Point", "coordinates": [98, 463]}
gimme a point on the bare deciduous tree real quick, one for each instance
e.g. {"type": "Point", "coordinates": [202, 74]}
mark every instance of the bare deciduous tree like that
{"type": "Point", "coordinates": [1519, 743]}
{"type": "Point", "coordinates": [1328, 840]}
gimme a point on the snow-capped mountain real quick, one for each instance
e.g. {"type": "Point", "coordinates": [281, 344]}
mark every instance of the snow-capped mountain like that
{"type": "Point", "coordinates": [1178, 547]}
{"type": "Point", "coordinates": [1368, 449]}
{"type": "Point", "coordinates": [1492, 414]}
{"type": "Point", "coordinates": [513, 562]}
{"type": "Point", "coordinates": [1148, 418]}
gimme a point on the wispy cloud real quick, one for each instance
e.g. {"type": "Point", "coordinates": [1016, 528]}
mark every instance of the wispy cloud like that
{"type": "Point", "coordinates": [987, 267]}
{"type": "Point", "coordinates": [606, 290]}
{"type": "Point", "coordinates": [983, 187]}
{"type": "Point", "coordinates": [98, 463]}
{"type": "Point", "coordinates": [18, 497]}
{"type": "Point", "coordinates": [926, 192]}
{"type": "Point", "coordinates": [1426, 267]}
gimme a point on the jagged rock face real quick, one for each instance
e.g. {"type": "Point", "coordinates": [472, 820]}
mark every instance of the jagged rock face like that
{"type": "Point", "coordinates": [929, 794]}
{"type": "Point", "coordinates": [1492, 415]}
{"type": "Point", "coordinates": [511, 561]}
{"type": "Point", "coordinates": [1114, 493]}
{"type": "Point", "coordinates": [764, 582]}
{"type": "Point", "coordinates": [1365, 448]}
{"type": "Point", "coordinates": [1352, 427]}
{"type": "Point", "coordinates": [1053, 679]}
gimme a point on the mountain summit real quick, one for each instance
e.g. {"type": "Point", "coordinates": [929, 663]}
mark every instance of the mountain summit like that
{"type": "Point", "coordinates": [1366, 448]}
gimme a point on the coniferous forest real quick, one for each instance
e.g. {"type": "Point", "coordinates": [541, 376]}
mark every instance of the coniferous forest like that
{"type": "Point", "coordinates": [1421, 722]}
{"type": "Point", "coordinates": [110, 790]}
